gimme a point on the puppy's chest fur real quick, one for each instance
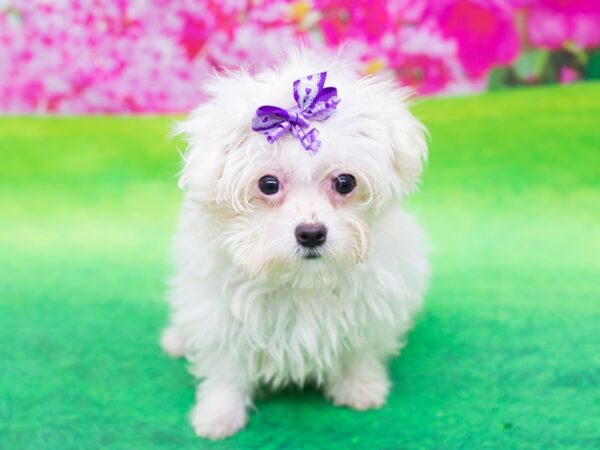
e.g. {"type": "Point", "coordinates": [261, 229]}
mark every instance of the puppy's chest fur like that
{"type": "Point", "coordinates": [294, 334]}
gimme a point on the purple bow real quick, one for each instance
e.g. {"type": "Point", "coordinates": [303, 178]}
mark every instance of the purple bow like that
{"type": "Point", "coordinates": [313, 102]}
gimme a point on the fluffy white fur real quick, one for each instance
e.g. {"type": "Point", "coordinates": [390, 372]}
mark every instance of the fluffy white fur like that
{"type": "Point", "coordinates": [247, 310]}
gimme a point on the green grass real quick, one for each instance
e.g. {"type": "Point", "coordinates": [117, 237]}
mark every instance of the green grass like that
{"type": "Point", "coordinates": [506, 354]}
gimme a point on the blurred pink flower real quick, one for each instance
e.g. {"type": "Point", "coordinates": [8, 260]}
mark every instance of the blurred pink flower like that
{"type": "Point", "coordinates": [553, 23]}
{"type": "Point", "coordinates": [348, 19]}
{"type": "Point", "coordinates": [568, 75]}
{"type": "Point", "coordinates": [427, 74]}
{"type": "Point", "coordinates": [422, 58]}
{"type": "Point", "coordinates": [483, 30]}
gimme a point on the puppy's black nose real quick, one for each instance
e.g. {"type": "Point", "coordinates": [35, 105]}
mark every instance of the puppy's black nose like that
{"type": "Point", "coordinates": [311, 235]}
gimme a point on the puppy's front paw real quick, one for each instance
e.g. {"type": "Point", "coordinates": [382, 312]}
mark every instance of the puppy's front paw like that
{"type": "Point", "coordinates": [171, 342]}
{"type": "Point", "coordinates": [360, 393]}
{"type": "Point", "coordinates": [219, 414]}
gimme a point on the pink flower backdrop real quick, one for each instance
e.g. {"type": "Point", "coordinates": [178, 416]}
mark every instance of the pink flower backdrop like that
{"type": "Point", "coordinates": [116, 56]}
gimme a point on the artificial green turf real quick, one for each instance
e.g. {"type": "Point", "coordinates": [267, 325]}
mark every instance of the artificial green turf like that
{"type": "Point", "coordinates": [506, 354]}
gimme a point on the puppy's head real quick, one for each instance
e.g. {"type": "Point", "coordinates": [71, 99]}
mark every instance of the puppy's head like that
{"type": "Point", "coordinates": [278, 210]}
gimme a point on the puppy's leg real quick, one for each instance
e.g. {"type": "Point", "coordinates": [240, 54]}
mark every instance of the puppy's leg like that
{"type": "Point", "coordinates": [220, 409]}
{"type": "Point", "coordinates": [172, 342]}
{"type": "Point", "coordinates": [361, 383]}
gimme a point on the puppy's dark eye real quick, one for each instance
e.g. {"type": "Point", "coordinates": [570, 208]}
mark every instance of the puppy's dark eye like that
{"type": "Point", "coordinates": [344, 183]}
{"type": "Point", "coordinates": [268, 185]}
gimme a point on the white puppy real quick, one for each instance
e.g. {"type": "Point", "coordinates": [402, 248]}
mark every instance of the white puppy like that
{"type": "Point", "coordinates": [296, 266]}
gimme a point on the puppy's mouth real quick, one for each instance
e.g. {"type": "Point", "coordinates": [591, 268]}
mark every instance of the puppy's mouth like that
{"type": "Point", "coordinates": [312, 254]}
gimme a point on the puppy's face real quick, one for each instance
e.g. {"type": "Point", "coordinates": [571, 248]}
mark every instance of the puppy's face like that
{"type": "Point", "coordinates": [278, 210]}
{"type": "Point", "coordinates": [293, 210]}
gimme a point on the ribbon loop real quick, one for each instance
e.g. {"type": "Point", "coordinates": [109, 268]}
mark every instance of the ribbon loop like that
{"type": "Point", "coordinates": [313, 100]}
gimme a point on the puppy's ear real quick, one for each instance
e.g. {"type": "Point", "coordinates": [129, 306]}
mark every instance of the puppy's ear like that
{"type": "Point", "coordinates": [211, 134]}
{"type": "Point", "coordinates": [406, 135]}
